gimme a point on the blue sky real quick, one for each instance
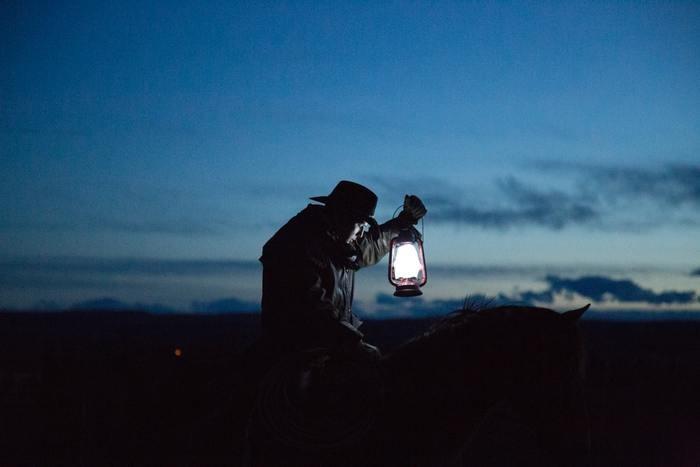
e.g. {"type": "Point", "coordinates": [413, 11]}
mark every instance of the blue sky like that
{"type": "Point", "coordinates": [158, 146]}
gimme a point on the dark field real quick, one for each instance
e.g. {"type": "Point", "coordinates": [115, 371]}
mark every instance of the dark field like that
{"type": "Point", "coordinates": [98, 389]}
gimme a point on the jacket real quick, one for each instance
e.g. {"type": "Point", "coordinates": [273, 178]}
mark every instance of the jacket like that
{"type": "Point", "coordinates": [309, 281]}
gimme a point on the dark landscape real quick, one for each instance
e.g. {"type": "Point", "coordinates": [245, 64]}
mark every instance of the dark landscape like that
{"type": "Point", "coordinates": [88, 388]}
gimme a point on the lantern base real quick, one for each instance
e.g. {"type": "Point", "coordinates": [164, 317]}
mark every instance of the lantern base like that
{"type": "Point", "coordinates": [407, 291]}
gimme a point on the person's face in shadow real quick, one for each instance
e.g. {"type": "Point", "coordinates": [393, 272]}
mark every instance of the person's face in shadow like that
{"type": "Point", "coordinates": [356, 231]}
{"type": "Point", "coordinates": [349, 228]}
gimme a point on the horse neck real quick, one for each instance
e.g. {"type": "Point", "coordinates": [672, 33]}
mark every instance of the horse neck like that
{"type": "Point", "coordinates": [491, 372]}
{"type": "Point", "coordinates": [447, 379]}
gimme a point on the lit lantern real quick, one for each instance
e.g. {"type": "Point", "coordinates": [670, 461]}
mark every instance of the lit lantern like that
{"type": "Point", "coordinates": [407, 264]}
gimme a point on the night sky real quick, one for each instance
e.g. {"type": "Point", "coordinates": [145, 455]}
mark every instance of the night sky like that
{"type": "Point", "coordinates": [147, 151]}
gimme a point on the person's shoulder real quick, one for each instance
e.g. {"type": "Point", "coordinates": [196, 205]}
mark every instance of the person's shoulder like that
{"type": "Point", "coordinates": [313, 213]}
{"type": "Point", "coordinates": [301, 237]}
{"type": "Point", "coordinates": [306, 225]}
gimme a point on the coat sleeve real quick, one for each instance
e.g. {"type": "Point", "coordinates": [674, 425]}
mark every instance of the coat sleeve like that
{"type": "Point", "coordinates": [375, 245]}
{"type": "Point", "coordinates": [298, 288]}
{"type": "Point", "coordinates": [322, 315]}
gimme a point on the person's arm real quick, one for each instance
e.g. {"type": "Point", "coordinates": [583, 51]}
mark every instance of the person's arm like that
{"type": "Point", "coordinates": [299, 286]}
{"type": "Point", "coordinates": [375, 245]}
{"type": "Point", "coordinates": [321, 313]}
{"type": "Point", "coordinates": [323, 317]}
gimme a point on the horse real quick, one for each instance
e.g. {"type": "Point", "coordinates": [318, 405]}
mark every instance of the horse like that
{"type": "Point", "coordinates": [498, 386]}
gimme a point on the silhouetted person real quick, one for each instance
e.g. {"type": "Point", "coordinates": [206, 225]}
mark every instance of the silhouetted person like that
{"type": "Point", "coordinates": [309, 269]}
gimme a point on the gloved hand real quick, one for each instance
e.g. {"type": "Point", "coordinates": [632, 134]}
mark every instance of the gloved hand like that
{"type": "Point", "coordinates": [368, 350]}
{"type": "Point", "coordinates": [359, 350]}
{"type": "Point", "coordinates": [413, 210]}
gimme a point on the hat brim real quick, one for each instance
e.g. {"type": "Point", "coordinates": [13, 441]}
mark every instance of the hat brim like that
{"type": "Point", "coordinates": [326, 199]}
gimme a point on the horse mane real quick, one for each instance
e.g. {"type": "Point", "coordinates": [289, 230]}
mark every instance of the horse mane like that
{"type": "Point", "coordinates": [459, 317]}
{"type": "Point", "coordinates": [470, 309]}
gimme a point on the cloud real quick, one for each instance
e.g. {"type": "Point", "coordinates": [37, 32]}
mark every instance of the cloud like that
{"type": "Point", "coordinates": [639, 197]}
{"type": "Point", "coordinates": [222, 305]}
{"type": "Point", "coordinates": [605, 289]}
{"type": "Point", "coordinates": [27, 279]}
{"type": "Point", "coordinates": [515, 203]}
{"type": "Point", "coordinates": [599, 289]}
{"type": "Point", "coordinates": [672, 184]}
{"type": "Point", "coordinates": [696, 272]}
{"type": "Point", "coordinates": [22, 267]}
{"type": "Point", "coordinates": [601, 197]}
{"type": "Point", "coordinates": [112, 304]}
{"type": "Point", "coordinates": [178, 226]}
{"type": "Point", "coordinates": [525, 205]}
{"type": "Point", "coordinates": [49, 281]}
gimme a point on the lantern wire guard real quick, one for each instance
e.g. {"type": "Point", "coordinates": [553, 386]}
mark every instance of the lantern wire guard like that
{"type": "Point", "coordinates": [409, 288]}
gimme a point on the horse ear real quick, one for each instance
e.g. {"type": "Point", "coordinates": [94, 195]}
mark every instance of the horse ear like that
{"type": "Point", "coordinates": [574, 315]}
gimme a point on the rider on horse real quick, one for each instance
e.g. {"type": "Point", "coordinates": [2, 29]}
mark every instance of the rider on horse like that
{"type": "Point", "coordinates": [309, 270]}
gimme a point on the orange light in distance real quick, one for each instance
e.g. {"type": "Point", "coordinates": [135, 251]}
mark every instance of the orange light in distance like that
{"type": "Point", "coordinates": [178, 352]}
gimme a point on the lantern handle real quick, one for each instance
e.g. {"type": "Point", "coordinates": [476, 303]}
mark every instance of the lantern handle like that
{"type": "Point", "coordinates": [422, 224]}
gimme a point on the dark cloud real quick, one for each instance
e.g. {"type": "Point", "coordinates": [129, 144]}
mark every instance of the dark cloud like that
{"type": "Point", "coordinates": [515, 204]}
{"type": "Point", "coordinates": [113, 304]}
{"type": "Point", "coordinates": [49, 281]}
{"type": "Point", "coordinates": [481, 270]}
{"type": "Point", "coordinates": [34, 277]}
{"type": "Point", "coordinates": [605, 197]}
{"type": "Point", "coordinates": [529, 296]}
{"type": "Point", "coordinates": [602, 289]}
{"type": "Point", "coordinates": [636, 197]}
{"type": "Point", "coordinates": [672, 184]}
{"type": "Point", "coordinates": [525, 205]}
{"type": "Point", "coordinates": [223, 305]}
{"type": "Point", "coordinates": [696, 272]}
{"type": "Point", "coordinates": [67, 265]}
{"type": "Point", "coordinates": [184, 227]}
{"type": "Point", "coordinates": [595, 288]}
{"type": "Point", "coordinates": [541, 270]}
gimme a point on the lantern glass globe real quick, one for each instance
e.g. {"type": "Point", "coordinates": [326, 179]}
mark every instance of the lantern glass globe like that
{"type": "Point", "coordinates": [407, 264]}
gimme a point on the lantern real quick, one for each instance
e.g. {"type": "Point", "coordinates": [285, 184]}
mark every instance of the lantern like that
{"type": "Point", "coordinates": [407, 264]}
